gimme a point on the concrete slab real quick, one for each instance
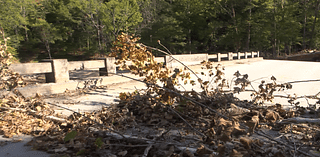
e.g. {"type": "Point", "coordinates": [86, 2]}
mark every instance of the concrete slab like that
{"type": "Point", "coordinates": [187, 59]}
{"type": "Point", "coordinates": [284, 71]}
{"type": "Point", "coordinates": [27, 68]}
{"type": "Point", "coordinates": [86, 64]}
{"type": "Point", "coordinates": [54, 88]}
{"type": "Point", "coordinates": [95, 99]}
{"type": "Point", "coordinates": [15, 148]}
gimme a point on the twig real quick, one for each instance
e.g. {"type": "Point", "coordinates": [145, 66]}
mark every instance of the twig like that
{"type": "Point", "coordinates": [294, 143]}
{"type": "Point", "coordinates": [194, 101]}
{"type": "Point", "coordinates": [124, 145]}
{"type": "Point", "coordinates": [253, 88]}
{"type": "Point", "coordinates": [301, 146]}
{"type": "Point", "coordinates": [312, 128]}
{"type": "Point", "coordinates": [305, 97]}
{"type": "Point", "coordinates": [200, 119]}
{"type": "Point", "coordinates": [259, 147]}
{"type": "Point", "coordinates": [270, 138]}
{"type": "Point", "coordinates": [164, 47]}
{"type": "Point", "coordinates": [300, 97]}
{"type": "Point", "coordinates": [175, 112]}
{"type": "Point", "coordinates": [260, 78]}
{"type": "Point", "coordinates": [299, 120]}
{"type": "Point", "coordinates": [172, 58]}
{"type": "Point", "coordinates": [184, 120]}
{"type": "Point", "coordinates": [87, 118]}
{"type": "Point", "coordinates": [303, 81]}
{"type": "Point", "coordinates": [182, 86]}
{"type": "Point", "coordinates": [146, 151]}
{"type": "Point", "coordinates": [34, 112]}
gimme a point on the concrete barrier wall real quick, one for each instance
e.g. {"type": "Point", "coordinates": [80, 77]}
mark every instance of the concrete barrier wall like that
{"type": "Point", "coordinates": [160, 59]}
{"type": "Point", "coordinates": [224, 55]}
{"type": "Point", "coordinates": [157, 59]}
{"type": "Point", "coordinates": [57, 70]}
{"type": "Point", "coordinates": [31, 68]}
{"type": "Point", "coordinates": [80, 65]}
{"type": "Point", "coordinates": [187, 59]}
{"type": "Point", "coordinates": [230, 56]}
{"type": "Point", "coordinates": [213, 56]}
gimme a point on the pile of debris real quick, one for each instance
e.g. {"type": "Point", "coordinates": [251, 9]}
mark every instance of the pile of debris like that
{"type": "Point", "coordinates": [163, 121]}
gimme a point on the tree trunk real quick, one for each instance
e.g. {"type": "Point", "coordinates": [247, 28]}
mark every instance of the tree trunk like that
{"type": "Point", "coordinates": [114, 25]}
{"type": "Point", "coordinates": [99, 42]}
{"type": "Point", "coordinates": [311, 43]}
{"type": "Point", "coordinates": [189, 41]}
{"type": "Point", "coordinates": [304, 26]}
{"type": "Point", "coordinates": [88, 43]}
{"type": "Point", "coordinates": [214, 38]}
{"type": "Point", "coordinates": [23, 9]}
{"type": "Point", "coordinates": [236, 29]}
{"type": "Point", "coordinates": [274, 45]}
{"type": "Point", "coordinates": [45, 40]}
{"type": "Point", "coordinates": [48, 47]}
{"type": "Point", "coordinates": [278, 53]}
{"type": "Point", "coordinates": [249, 29]}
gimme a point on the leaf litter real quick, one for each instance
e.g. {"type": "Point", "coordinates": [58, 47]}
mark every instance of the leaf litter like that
{"type": "Point", "coordinates": [163, 121]}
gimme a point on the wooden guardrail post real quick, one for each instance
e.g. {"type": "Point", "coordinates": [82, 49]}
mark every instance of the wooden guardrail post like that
{"type": "Point", "coordinates": [245, 55]}
{"type": "Point", "coordinates": [258, 54]}
{"type": "Point", "coordinates": [219, 57]}
{"type": "Point", "coordinates": [238, 55]}
{"type": "Point", "coordinates": [252, 54]}
{"type": "Point", "coordinates": [60, 73]}
{"type": "Point", "coordinates": [110, 66]}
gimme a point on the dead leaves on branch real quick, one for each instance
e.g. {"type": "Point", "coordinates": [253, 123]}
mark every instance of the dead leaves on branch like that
{"type": "Point", "coordinates": [8, 79]}
{"type": "Point", "coordinates": [24, 116]}
{"type": "Point", "coordinates": [127, 49]}
{"type": "Point", "coordinates": [223, 132]}
{"type": "Point", "coordinates": [266, 90]}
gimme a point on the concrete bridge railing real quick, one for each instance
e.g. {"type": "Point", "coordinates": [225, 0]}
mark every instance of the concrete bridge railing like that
{"type": "Point", "coordinates": [57, 70]}
{"type": "Point", "coordinates": [231, 56]}
{"type": "Point", "coordinates": [192, 59]}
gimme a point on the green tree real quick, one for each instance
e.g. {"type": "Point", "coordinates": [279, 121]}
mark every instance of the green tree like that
{"type": "Point", "coordinates": [124, 16]}
{"type": "Point", "coordinates": [11, 21]}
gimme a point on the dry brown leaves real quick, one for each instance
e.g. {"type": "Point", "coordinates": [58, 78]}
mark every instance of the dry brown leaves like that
{"type": "Point", "coordinates": [8, 78]}
{"type": "Point", "coordinates": [19, 115]}
{"type": "Point", "coordinates": [24, 116]}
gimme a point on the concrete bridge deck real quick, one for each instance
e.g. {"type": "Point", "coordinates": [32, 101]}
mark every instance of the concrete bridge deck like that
{"type": "Point", "coordinates": [284, 71]}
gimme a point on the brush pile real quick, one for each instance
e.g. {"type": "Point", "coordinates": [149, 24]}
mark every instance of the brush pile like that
{"type": "Point", "coordinates": [164, 121]}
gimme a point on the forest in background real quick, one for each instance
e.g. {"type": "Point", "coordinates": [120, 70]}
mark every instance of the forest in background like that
{"type": "Point", "coordinates": [78, 29]}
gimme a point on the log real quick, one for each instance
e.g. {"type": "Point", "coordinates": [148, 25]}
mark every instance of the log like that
{"type": "Point", "coordinates": [299, 120]}
{"type": "Point", "coordinates": [53, 118]}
